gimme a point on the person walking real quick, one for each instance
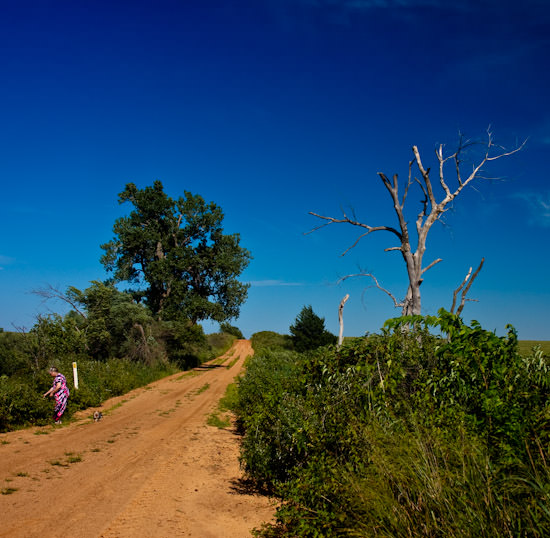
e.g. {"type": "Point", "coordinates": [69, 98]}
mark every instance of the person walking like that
{"type": "Point", "coordinates": [61, 393]}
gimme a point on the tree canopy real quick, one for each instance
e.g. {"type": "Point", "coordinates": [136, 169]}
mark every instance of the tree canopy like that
{"type": "Point", "coordinates": [308, 331]}
{"type": "Point", "coordinates": [175, 256]}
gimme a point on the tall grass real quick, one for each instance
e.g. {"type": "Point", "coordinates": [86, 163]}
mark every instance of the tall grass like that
{"type": "Point", "coordinates": [418, 484]}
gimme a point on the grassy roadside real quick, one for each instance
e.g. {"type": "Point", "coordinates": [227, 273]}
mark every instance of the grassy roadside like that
{"type": "Point", "coordinates": [221, 417]}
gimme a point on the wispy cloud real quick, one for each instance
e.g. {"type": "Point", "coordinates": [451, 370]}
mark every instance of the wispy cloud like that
{"type": "Point", "coordinates": [538, 205]}
{"type": "Point", "coordinates": [5, 260]}
{"type": "Point", "coordinates": [272, 283]}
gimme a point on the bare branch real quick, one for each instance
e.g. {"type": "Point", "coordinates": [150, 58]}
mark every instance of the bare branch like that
{"type": "Point", "coordinates": [425, 175]}
{"type": "Point", "coordinates": [409, 183]}
{"type": "Point", "coordinates": [347, 220]}
{"type": "Point", "coordinates": [507, 153]}
{"type": "Point", "coordinates": [457, 291]}
{"type": "Point", "coordinates": [466, 289]}
{"type": "Point", "coordinates": [476, 169]}
{"type": "Point", "coordinates": [354, 244]}
{"type": "Point", "coordinates": [395, 301]}
{"type": "Point", "coordinates": [52, 292]}
{"type": "Point", "coordinates": [442, 161]}
{"type": "Point", "coordinates": [393, 191]}
{"type": "Point", "coordinates": [431, 265]}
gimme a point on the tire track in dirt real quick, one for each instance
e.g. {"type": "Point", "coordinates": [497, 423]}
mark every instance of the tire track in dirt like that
{"type": "Point", "coordinates": [151, 467]}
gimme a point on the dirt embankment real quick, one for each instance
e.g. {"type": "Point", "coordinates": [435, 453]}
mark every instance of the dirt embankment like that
{"type": "Point", "coordinates": [150, 467]}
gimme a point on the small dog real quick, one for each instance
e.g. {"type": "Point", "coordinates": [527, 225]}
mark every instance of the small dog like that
{"type": "Point", "coordinates": [97, 416]}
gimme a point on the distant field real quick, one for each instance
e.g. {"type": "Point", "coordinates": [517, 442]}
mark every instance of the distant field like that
{"type": "Point", "coordinates": [525, 346]}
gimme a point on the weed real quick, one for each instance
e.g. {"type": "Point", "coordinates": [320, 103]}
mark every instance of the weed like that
{"type": "Point", "coordinates": [200, 390]}
{"type": "Point", "coordinates": [232, 363]}
{"type": "Point", "coordinates": [8, 491]}
{"type": "Point", "coordinates": [220, 417]}
{"type": "Point", "coordinates": [192, 373]}
{"type": "Point", "coordinates": [22, 474]}
{"type": "Point", "coordinates": [218, 422]}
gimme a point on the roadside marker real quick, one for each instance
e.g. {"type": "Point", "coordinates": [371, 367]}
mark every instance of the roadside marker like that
{"type": "Point", "coordinates": [75, 375]}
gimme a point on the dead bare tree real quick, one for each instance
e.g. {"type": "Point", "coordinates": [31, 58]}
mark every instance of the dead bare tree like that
{"type": "Point", "coordinates": [430, 212]}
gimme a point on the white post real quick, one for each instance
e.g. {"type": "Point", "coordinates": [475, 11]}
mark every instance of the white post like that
{"type": "Point", "coordinates": [75, 375]}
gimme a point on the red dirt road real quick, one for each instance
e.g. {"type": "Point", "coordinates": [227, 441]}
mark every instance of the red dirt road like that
{"type": "Point", "coordinates": [150, 467]}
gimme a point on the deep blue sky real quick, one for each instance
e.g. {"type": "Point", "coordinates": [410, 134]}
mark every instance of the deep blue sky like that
{"type": "Point", "coordinates": [272, 109]}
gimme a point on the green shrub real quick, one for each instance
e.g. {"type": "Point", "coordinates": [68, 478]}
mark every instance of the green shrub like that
{"type": "Point", "coordinates": [271, 340]}
{"type": "Point", "coordinates": [402, 434]}
{"type": "Point", "coordinates": [269, 379]}
{"type": "Point", "coordinates": [13, 356]}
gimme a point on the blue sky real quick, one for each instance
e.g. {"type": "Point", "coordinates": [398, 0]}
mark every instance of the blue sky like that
{"type": "Point", "coordinates": [273, 109]}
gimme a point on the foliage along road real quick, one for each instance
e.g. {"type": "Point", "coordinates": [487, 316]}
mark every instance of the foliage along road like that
{"type": "Point", "coordinates": [150, 467]}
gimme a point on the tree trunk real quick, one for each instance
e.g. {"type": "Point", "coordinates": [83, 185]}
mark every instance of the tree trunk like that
{"type": "Point", "coordinates": [341, 320]}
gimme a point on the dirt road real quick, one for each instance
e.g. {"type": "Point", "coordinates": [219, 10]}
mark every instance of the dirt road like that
{"type": "Point", "coordinates": [150, 467]}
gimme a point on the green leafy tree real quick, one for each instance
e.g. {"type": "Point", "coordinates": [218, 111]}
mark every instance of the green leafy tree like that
{"type": "Point", "coordinates": [115, 325]}
{"type": "Point", "coordinates": [53, 337]}
{"type": "Point", "coordinates": [176, 256]}
{"type": "Point", "coordinates": [308, 331]}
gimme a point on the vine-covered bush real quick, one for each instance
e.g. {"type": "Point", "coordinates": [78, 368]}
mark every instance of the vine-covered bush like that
{"type": "Point", "coordinates": [402, 434]}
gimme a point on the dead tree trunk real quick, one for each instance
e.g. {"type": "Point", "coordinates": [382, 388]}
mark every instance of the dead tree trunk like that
{"type": "Point", "coordinates": [341, 320]}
